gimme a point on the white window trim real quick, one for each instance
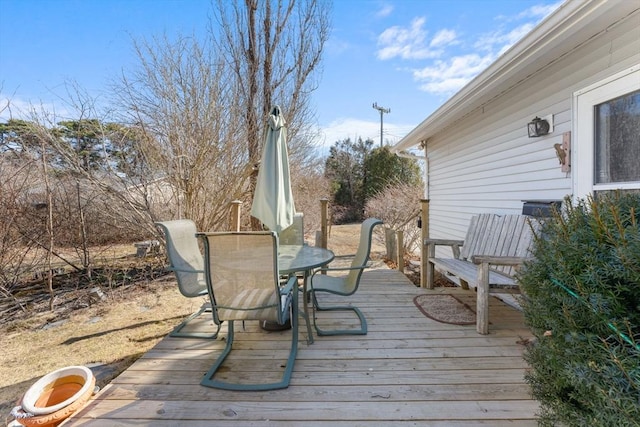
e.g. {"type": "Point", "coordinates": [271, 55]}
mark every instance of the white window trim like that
{"type": "Point", "coordinates": [582, 129]}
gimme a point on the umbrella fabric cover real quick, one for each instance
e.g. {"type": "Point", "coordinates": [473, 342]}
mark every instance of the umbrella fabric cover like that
{"type": "Point", "coordinates": [273, 200]}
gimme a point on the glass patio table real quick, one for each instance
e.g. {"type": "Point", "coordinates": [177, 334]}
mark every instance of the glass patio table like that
{"type": "Point", "coordinates": [303, 259]}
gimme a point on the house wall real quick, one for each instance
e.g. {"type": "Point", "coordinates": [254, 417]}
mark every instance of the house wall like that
{"type": "Point", "coordinates": [487, 163]}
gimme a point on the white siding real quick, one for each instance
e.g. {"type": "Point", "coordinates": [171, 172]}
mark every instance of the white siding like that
{"type": "Point", "coordinates": [486, 162]}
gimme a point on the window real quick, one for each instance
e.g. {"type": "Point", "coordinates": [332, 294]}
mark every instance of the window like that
{"type": "Point", "coordinates": [617, 139]}
{"type": "Point", "coordinates": [606, 140]}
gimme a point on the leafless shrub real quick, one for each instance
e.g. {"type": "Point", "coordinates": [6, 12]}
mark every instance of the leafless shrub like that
{"type": "Point", "coordinates": [309, 187]}
{"type": "Point", "coordinates": [182, 137]}
{"type": "Point", "coordinates": [397, 205]}
{"type": "Point", "coordinates": [188, 132]}
{"type": "Point", "coordinates": [341, 214]}
{"type": "Point", "coordinates": [15, 248]}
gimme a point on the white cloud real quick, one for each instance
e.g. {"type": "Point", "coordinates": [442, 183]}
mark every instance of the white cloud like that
{"type": "Point", "coordinates": [443, 38]}
{"type": "Point", "coordinates": [539, 11]}
{"type": "Point", "coordinates": [499, 41]}
{"type": "Point", "coordinates": [406, 43]}
{"type": "Point", "coordinates": [385, 10]}
{"type": "Point", "coordinates": [447, 76]}
{"type": "Point", "coordinates": [13, 107]}
{"type": "Point", "coordinates": [444, 86]}
{"type": "Point", "coordinates": [343, 128]}
{"type": "Point", "coordinates": [518, 33]}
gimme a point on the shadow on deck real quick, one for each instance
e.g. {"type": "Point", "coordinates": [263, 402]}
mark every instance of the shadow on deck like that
{"type": "Point", "coordinates": [408, 370]}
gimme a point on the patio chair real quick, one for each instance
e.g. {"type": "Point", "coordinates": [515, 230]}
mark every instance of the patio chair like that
{"type": "Point", "coordinates": [186, 262]}
{"type": "Point", "coordinates": [344, 285]}
{"type": "Point", "coordinates": [243, 281]}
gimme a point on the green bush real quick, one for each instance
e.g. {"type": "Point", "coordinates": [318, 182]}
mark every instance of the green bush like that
{"type": "Point", "coordinates": [582, 302]}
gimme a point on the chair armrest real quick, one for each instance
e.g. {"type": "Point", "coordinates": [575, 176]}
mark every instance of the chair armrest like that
{"type": "Point", "coordinates": [291, 282]}
{"type": "Point", "coordinates": [499, 260]}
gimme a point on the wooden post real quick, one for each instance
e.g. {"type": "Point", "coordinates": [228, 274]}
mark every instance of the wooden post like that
{"type": "Point", "coordinates": [390, 243]}
{"type": "Point", "coordinates": [235, 215]}
{"type": "Point", "coordinates": [324, 203]}
{"type": "Point", "coordinates": [424, 234]}
{"type": "Point", "coordinates": [400, 250]}
{"type": "Point", "coordinates": [482, 303]}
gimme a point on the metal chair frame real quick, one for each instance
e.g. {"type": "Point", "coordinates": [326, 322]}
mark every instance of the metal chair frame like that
{"type": "Point", "coordinates": [345, 285]}
{"type": "Point", "coordinates": [284, 301]}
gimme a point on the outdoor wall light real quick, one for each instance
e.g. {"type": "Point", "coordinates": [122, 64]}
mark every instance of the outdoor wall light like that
{"type": "Point", "coordinates": [538, 127]}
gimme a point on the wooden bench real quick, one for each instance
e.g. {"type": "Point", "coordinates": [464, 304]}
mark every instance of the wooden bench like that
{"type": "Point", "coordinates": [494, 247]}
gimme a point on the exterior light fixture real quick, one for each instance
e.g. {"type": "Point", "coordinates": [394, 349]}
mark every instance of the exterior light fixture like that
{"type": "Point", "coordinates": [538, 127]}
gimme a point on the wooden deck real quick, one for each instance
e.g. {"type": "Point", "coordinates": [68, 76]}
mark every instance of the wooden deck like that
{"type": "Point", "coordinates": [408, 371]}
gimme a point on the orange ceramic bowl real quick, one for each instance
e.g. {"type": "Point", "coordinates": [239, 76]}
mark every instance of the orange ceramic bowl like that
{"type": "Point", "coordinates": [58, 389]}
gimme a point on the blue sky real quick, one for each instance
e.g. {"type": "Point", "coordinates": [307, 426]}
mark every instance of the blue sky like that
{"type": "Point", "coordinates": [407, 55]}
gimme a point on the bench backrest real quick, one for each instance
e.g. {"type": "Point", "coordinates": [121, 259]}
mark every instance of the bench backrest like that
{"type": "Point", "coordinates": [499, 235]}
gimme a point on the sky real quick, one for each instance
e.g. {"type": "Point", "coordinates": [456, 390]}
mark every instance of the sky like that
{"type": "Point", "coordinates": [407, 56]}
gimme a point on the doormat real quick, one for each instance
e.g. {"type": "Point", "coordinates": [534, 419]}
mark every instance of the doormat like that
{"type": "Point", "coordinates": [445, 308]}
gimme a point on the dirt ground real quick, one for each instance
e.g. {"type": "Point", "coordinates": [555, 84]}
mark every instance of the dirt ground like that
{"type": "Point", "coordinates": [110, 334]}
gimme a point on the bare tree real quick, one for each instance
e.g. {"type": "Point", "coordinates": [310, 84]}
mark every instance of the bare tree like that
{"type": "Point", "coordinates": [274, 49]}
{"type": "Point", "coordinates": [49, 223]}
{"type": "Point", "coordinates": [16, 257]}
{"type": "Point", "coordinates": [200, 106]}
{"type": "Point", "coordinates": [185, 145]}
{"type": "Point", "coordinates": [76, 177]}
{"type": "Point", "coordinates": [183, 108]}
{"type": "Point", "coordinates": [82, 149]}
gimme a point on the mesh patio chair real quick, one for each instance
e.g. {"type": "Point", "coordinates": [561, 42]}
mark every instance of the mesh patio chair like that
{"type": "Point", "coordinates": [187, 263]}
{"type": "Point", "coordinates": [344, 285]}
{"type": "Point", "coordinates": [243, 281]}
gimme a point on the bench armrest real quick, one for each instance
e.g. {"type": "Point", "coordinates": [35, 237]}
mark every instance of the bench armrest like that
{"type": "Point", "coordinates": [432, 243]}
{"type": "Point", "coordinates": [499, 260]}
{"type": "Point", "coordinates": [444, 242]}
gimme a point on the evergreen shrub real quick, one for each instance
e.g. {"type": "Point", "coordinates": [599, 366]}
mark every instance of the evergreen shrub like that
{"type": "Point", "coordinates": [582, 302]}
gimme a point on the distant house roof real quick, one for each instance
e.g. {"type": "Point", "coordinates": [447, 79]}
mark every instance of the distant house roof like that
{"type": "Point", "coordinates": [569, 27]}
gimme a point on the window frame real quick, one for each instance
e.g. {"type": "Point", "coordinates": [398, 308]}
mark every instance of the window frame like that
{"type": "Point", "coordinates": [583, 154]}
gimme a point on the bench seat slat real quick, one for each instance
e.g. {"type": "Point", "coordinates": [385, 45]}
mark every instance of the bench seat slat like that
{"type": "Point", "coordinates": [469, 272]}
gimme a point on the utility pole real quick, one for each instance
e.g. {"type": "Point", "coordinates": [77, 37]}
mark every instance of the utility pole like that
{"type": "Point", "coordinates": [382, 111]}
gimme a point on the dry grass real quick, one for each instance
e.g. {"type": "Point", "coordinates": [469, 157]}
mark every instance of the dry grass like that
{"type": "Point", "coordinates": [114, 332]}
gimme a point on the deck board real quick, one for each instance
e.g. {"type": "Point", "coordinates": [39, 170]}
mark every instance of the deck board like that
{"type": "Point", "coordinates": [408, 370]}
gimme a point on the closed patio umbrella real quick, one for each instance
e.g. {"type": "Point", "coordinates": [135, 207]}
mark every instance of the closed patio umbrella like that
{"type": "Point", "coordinates": [273, 200]}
